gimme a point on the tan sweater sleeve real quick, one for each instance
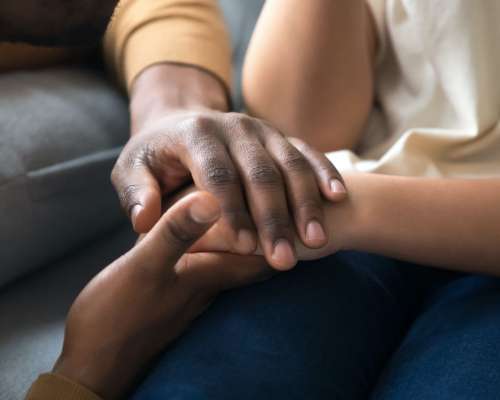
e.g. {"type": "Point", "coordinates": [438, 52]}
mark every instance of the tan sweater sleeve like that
{"type": "Point", "coordinates": [148, 32]}
{"type": "Point", "coordinates": [57, 387]}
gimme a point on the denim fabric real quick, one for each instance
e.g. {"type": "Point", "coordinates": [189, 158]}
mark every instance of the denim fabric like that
{"type": "Point", "coordinates": [308, 333]}
{"type": "Point", "coordinates": [452, 350]}
{"type": "Point", "coordinates": [336, 329]}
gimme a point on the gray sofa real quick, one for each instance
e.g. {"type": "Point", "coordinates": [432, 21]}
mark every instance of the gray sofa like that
{"type": "Point", "coordinates": [60, 222]}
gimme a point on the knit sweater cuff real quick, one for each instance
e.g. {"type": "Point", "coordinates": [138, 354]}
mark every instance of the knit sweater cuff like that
{"type": "Point", "coordinates": [57, 387]}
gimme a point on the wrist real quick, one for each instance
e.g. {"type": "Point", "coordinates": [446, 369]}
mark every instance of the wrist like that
{"type": "Point", "coordinates": [350, 220]}
{"type": "Point", "coordinates": [83, 375]}
{"type": "Point", "coordinates": [169, 88]}
{"type": "Point", "coordinates": [109, 366]}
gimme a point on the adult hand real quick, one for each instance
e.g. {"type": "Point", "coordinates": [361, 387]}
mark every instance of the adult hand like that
{"type": "Point", "coordinates": [258, 175]}
{"type": "Point", "coordinates": [219, 237]}
{"type": "Point", "coordinates": [137, 305]}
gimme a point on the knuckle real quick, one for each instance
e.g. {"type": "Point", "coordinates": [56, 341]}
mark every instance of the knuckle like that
{"type": "Point", "coordinates": [218, 175]}
{"type": "Point", "coordinates": [178, 233]}
{"type": "Point", "coordinates": [264, 175]}
{"type": "Point", "coordinates": [245, 123]}
{"type": "Point", "coordinates": [202, 123]}
{"type": "Point", "coordinates": [242, 128]}
{"type": "Point", "coordinates": [247, 150]}
{"type": "Point", "coordinates": [275, 221]}
{"type": "Point", "coordinates": [128, 194]}
{"type": "Point", "coordinates": [293, 161]}
{"type": "Point", "coordinates": [309, 205]}
{"type": "Point", "coordinates": [120, 168]}
{"type": "Point", "coordinates": [148, 156]}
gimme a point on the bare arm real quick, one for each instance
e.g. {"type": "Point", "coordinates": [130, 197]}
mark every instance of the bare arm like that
{"type": "Point", "coordinates": [165, 88]}
{"type": "Point", "coordinates": [448, 223]}
{"type": "Point", "coordinates": [445, 223]}
{"type": "Point", "coordinates": [309, 70]}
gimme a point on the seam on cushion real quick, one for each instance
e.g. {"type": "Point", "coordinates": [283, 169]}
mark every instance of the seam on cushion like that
{"type": "Point", "coordinates": [76, 162]}
{"type": "Point", "coordinates": [73, 177]}
{"type": "Point", "coordinates": [66, 165]}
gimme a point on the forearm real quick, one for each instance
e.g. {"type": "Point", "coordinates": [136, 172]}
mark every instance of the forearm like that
{"type": "Point", "coordinates": [308, 70]}
{"type": "Point", "coordinates": [164, 88]}
{"type": "Point", "coordinates": [437, 222]}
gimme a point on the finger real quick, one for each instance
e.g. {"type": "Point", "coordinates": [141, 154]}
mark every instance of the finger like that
{"type": "Point", "coordinates": [221, 271]}
{"type": "Point", "coordinates": [178, 229]}
{"type": "Point", "coordinates": [303, 193]}
{"type": "Point", "coordinates": [213, 170]}
{"type": "Point", "coordinates": [139, 194]}
{"type": "Point", "coordinates": [266, 196]}
{"type": "Point", "coordinates": [329, 179]}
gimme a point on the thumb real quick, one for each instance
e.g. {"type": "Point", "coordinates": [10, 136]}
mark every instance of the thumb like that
{"type": "Point", "coordinates": [139, 194]}
{"type": "Point", "coordinates": [179, 228]}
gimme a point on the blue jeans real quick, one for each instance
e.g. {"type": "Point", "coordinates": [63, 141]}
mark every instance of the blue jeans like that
{"type": "Point", "coordinates": [350, 326]}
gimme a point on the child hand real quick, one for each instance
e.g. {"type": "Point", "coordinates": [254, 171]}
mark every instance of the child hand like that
{"type": "Point", "coordinates": [220, 239]}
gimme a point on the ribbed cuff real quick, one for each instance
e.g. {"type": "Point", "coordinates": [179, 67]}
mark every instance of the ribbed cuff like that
{"type": "Point", "coordinates": [161, 42]}
{"type": "Point", "coordinates": [57, 387]}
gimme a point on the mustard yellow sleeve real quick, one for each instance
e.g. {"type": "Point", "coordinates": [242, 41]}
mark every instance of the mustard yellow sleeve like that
{"type": "Point", "coordinates": [148, 32]}
{"type": "Point", "coordinates": [57, 387]}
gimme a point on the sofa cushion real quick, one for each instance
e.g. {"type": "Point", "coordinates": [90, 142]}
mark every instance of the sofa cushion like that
{"type": "Point", "coordinates": [60, 133]}
{"type": "Point", "coordinates": [33, 311]}
{"type": "Point", "coordinates": [240, 18]}
{"type": "Point", "coordinates": [64, 182]}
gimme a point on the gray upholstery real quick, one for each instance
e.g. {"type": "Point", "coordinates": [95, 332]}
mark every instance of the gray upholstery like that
{"type": "Point", "coordinates": [60, 131]}
{"type": "Point", "coordinates": [32, 312]}
{"type": "Point", "coordinates": [240, 16]}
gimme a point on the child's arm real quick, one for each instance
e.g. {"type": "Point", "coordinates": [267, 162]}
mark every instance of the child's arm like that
{"type": "Point", "coordinates": [309, 69]}
{"type": "Point", "coordinates": [449, 223]}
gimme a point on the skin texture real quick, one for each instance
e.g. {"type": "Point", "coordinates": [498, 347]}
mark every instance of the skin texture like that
{"type": "Point", "coordinates": [446, 223]}
{"type": "Point", "coordinates": [415, 219]}
{"type": "Point", "coordinates": [55, 22]}
{"type": "Point", "coordinates": [393, 216]}
{"type": "Point", "coordinates": [324, 76]}
{"type": "Point", "coordinates": [159, 289]}
{"type": "Point", "coordinates": [420, 220]}
{"type": "Point", "coordinates": [182, 132]}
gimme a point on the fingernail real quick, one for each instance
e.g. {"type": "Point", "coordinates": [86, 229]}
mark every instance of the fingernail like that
{"type": "Point", "coordinates": [246, 241]}
{"type": "Point", "coordinates": [283, 253]}
{"type": "Point", "coordinates": [204, 212]}
{"type": "Point", "coordinates": [337, 186]}
{"type": "Point", "coordinates": [315, 232]}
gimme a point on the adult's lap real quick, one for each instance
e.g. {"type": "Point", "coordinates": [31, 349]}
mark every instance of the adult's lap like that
{"type": "Point", "coordinates": [323, 330]}
{"type": "Point", "coordinates": [452, 350]}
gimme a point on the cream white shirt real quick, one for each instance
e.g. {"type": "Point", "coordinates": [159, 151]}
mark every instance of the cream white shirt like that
{"type": "Point", "coordinates": [437, 90]}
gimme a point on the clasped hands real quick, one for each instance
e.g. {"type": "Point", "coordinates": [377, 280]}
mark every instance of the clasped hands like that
{"type": "Point", "coordinates": [250, 182]}
{"type": "Point", "coordinates": [272, 190]}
